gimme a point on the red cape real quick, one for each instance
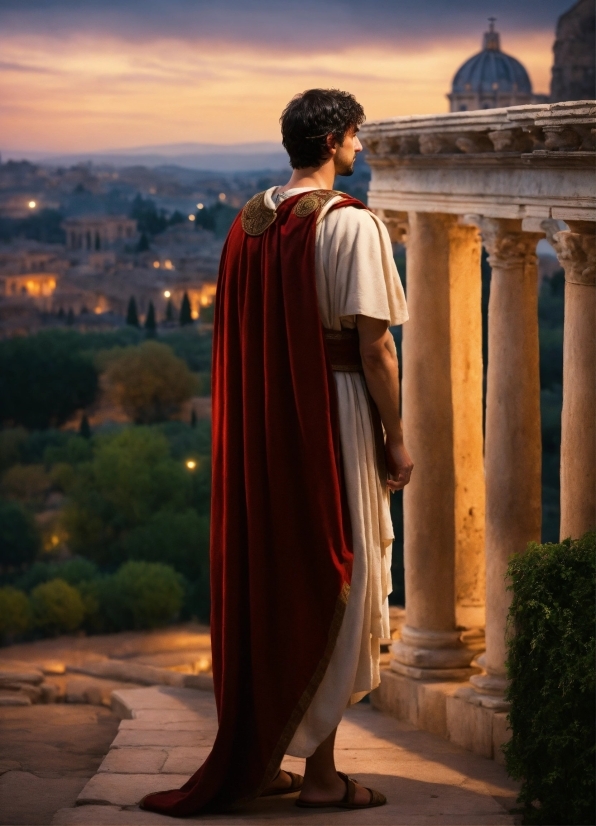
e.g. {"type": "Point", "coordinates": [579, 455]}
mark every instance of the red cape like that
{"type": "Point", "coordinates": [280, 530]}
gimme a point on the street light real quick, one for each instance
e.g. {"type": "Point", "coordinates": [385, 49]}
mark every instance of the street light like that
{"type": "Point", "coordinates": [32, 204]}
{"type": "Point", "coordinates": [191, 217]}
{"type": "Point", "coordinates": [167, 294]}
{"type": "Point", "coordinates": [191, 464]}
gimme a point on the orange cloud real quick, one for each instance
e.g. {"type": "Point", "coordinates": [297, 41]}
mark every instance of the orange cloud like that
{"type": "Point", "coordinates": [84, 94]}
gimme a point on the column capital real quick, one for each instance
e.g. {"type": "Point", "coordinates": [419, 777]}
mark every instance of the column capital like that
{"type": "Point", "coordinates": [396, 223]}
{"type": "Point", "coordinates": [508, 246]}
{"type": "Point", "coordinates": [576, 251]}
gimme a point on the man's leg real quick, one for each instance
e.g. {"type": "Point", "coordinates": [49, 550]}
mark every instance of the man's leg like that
{"type": "Point", "coordinates": [321, 780]}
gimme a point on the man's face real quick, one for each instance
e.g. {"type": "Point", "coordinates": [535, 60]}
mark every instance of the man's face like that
{"type": "Point", "coordinates": [345, 156]}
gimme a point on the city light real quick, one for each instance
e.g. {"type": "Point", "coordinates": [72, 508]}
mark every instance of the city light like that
{"type": "Point", "coordinates": [167, 293]}
{"type": "Point", "coordinates": [191, 217]}
{"type": "Point", "coordinates": [191, 464]}
{"type": "Point", "coordinates": [156, 264]}
{"type": "Point", "coordinates": [168, 265]}
{"type": "Point", "coordinates": [222, 196]}
{"type": "Point", "coordinates": [32, 204]}
{"type": "Point", "coordinates": [200, 206]}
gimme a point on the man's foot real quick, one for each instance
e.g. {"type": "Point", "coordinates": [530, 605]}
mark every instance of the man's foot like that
{"type": "Point", "coordinates": [328, 794]}
{"type": "Point", "coordinates": [284, 783]}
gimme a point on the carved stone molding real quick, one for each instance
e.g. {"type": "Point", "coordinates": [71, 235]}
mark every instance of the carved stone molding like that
{"type": "Point", "coordinates": [577, 253]}
{"type": "Point", "coordinates": [396, 223]}
{"type": "Point", "coordinates": [511, 140]}
{"type": "Point", "coordinates": [506, 244]}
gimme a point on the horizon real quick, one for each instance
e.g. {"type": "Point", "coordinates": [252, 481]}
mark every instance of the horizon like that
{"type": "Point", "coordinates": [115, 77]}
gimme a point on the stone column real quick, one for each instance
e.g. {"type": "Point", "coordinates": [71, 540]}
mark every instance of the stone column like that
{"type": "Point", "coordinates": [513, 439]}
{"type": "Point", "coordinates": [576, 250]}
{"type": "Point", "coordinates": [442, 392]}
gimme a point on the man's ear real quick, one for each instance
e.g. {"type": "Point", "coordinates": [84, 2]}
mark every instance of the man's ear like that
{"type": "Point", "coordinates": [331, 143]}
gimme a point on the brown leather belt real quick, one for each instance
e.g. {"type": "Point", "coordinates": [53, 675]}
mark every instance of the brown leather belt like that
{"type": "Point", "coordinates": [343, 347]}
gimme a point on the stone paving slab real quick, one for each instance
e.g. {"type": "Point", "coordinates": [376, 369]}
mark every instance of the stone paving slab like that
{"type": "Point", "coordinates": [426, 779]}
{"type": "Point", "coordinates": [134, 761]}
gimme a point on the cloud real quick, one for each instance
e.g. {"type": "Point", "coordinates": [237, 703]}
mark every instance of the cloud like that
{"type": "Point", "coordinates": [294, 25]}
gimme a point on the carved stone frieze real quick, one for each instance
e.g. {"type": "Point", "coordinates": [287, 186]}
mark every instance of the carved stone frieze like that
{"type": "Point", "coordinates": [433, 144]}
{"type": "Point", "coordinates": [473, 142]}
{"type": "Point", "coordinates": [511, 140]}
{"type": "Point", "coordinates": [562, 138]}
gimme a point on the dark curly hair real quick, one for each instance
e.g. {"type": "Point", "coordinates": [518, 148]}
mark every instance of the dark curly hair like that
{"type": "Point", "coordinates": [311, 116]}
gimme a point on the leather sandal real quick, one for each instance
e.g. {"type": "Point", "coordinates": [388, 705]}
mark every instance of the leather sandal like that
{"type": "Point", "coordinates": [347, 801]}
{"type": "Point", "coordinates": [295, 785]}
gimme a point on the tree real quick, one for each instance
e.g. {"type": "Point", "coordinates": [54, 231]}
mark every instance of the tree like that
{"type": "Point", "coordinates": [43, 380]}
{"type": "Point", "coordinates": [193, 418]}
{"type": "Point", "coordinates": [185, 311]}
{"type": "Point", "coordinates": [70, 317]}
{"type": "Point", "coordinates": [149, 382]}
{"type": "Point", "coordinates": [19, 539]}
{"type": "Point", "coordinates": [132, 317]}
{"type": "Point", "coordinates": [169, 310]}
{"type": "Point", "coordinates": [143, 244]}
{"type": "Point", "coordinates": [150, 324]}
{"type": "Point", "coordinates": [85, 428]}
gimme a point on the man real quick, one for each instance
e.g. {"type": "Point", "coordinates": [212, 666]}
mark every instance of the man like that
{"type": "Point", "coordinates": [304, 372]}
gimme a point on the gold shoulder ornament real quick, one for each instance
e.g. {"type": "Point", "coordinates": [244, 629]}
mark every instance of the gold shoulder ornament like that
{"type": "Point", "coordinates": [257, 216]}
{"type": "Point", "coordinates": [314, 200]}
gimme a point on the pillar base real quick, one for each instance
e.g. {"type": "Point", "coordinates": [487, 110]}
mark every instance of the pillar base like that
{"type": "Point", "coordinates": [484, 700]}
{"type": "Point", "coordinates": [493, 684]}
{"type": "Point", "coordinates": [442, 674]}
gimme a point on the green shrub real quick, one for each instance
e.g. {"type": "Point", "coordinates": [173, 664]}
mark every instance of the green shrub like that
{"type": "Point", "coordinates": [73, 571]}
{"type": "Point", "coordinates": [19, 538]}
{"type": "Point", "coordinates": [15, 611]}
{"type": "Point", "coordinates": [141, 595]}
{"type": "Point", "coordinates": [177, 539]}
{"type": "Point", "coordinates": [57, 607]}
{"type": "Point", "coordinates": [551, 668]}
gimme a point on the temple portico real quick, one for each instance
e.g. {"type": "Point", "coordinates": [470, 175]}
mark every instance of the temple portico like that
{"type": "Point", "coordinates": [446, 185]}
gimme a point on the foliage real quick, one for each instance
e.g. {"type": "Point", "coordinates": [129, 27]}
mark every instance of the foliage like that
{"type": "Point", "coordinates": [193, 346]}
{"type": "Point", "coordinates": [149, 381]}
{"type": "Point", "coordinates": [551, 666]}
{"type": "Point", "coordinates": [140, 595]}
{"type": "Point", "coordinates": [28, 484]}
{"type": "Point", "coordinates": [217, 218]}
{"type": "Point", "coordinates": [11, 441]}
{"type": "Point", "coordinates": [181, 538]}
{"type": "Point", "coordinates": [185, 311]}
{"type": "Point", "coordinates": [57, 607]}
{"type": "Point", "coordinates": [130, 478]}
{"type": "Point", "coordinates": [19, 539]}
{"type": "Point", "coordinates": [15, 611]}
{"type": "Point", "coordinates": [44, 225]}
{"type": "Point", "coordinates": [42, 381]}
{"type": "Point", "coordinates": [132, 316]}
{"type": "Point", "coordinates": [73, 571]}
{"type": "Point", "coordinates": [149, 220]}
{"type": "Point", "coordinates": [150, 323]}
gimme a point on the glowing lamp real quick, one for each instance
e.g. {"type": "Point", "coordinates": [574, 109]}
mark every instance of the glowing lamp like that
{"type": "Point", "coordinates": [222, 196]}
{"type": "Point", "coordinates": [156, 264]}
{"type": "Point", "coordinates": [167, 293]}
{"type": "Point", "coordinates": [32, 204]}
{"type": "Point", "coordinates": [191, 217]}
{"type": "Point", "coordinates": [191, 464]}
{"type": "Point", "coordinates": [200, 206]}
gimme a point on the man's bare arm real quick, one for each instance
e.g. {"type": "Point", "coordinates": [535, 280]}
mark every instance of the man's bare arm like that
{"type": "Point", "coordinates": [381, 372]}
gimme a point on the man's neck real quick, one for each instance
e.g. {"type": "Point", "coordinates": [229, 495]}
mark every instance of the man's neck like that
{"type": "Point", "coordinates": [321, 177]}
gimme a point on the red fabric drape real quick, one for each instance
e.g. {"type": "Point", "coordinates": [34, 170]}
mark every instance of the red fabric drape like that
{"type": "Point", "coordinates": [280, 538]}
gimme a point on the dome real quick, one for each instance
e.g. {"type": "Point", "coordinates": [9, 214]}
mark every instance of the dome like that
{"type": "Point", "coordinates": [491, 70]}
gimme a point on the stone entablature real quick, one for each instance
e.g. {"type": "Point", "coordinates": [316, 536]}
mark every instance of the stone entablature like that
{"type": "Point", "coordinates": [534, 161]}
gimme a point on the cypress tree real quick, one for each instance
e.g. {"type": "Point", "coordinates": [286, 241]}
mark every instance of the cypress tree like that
{"type": "Point", "coordinates": [150, 325]}
{"type": "Point", "coordinates": [169, 310]}
{"type": "Point", "coordinates": [193, 418]}
{"type": "Point", "coordinates": [185, 311]}
{"type": "Point", "coordinates": [70, 317]}
{"type": "Point", "coordinates": [85, 428]}
{"type": "Point", "coordinates": [61, 312]}
{"type": "Point", "coordinates": [132, 316]}
{"type": "Point", "coordinates": [143, 244]}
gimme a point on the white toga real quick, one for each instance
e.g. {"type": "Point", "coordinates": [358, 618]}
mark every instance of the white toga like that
{"type": "Point", "coordinates": [356, 275]}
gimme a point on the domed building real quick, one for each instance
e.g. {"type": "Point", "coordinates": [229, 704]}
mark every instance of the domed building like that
{"type": "Point", "coordinates": [491, 79]}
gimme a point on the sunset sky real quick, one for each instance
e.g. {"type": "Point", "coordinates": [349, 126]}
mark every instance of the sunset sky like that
{"type": "Point", "coordinates": [83, 75]}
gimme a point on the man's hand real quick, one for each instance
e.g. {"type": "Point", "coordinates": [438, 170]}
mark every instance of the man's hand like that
{"type": "Point", "coordinates": [399, 465]}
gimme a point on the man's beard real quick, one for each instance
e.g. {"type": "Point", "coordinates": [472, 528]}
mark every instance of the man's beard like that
{"type": "Point", "coordinates": [346, 171]}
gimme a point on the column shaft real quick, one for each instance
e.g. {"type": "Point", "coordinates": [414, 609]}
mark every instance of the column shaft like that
{"type": "Point", "coordinates": [513, 438]}
{"type": "Point", "coordinates": [577, 252]}
{"type": "Point", "coordinates": [442, 263]}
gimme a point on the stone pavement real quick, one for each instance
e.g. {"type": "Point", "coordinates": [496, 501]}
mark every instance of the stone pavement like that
{"type": "Point", "coordinates": [167, 732]}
